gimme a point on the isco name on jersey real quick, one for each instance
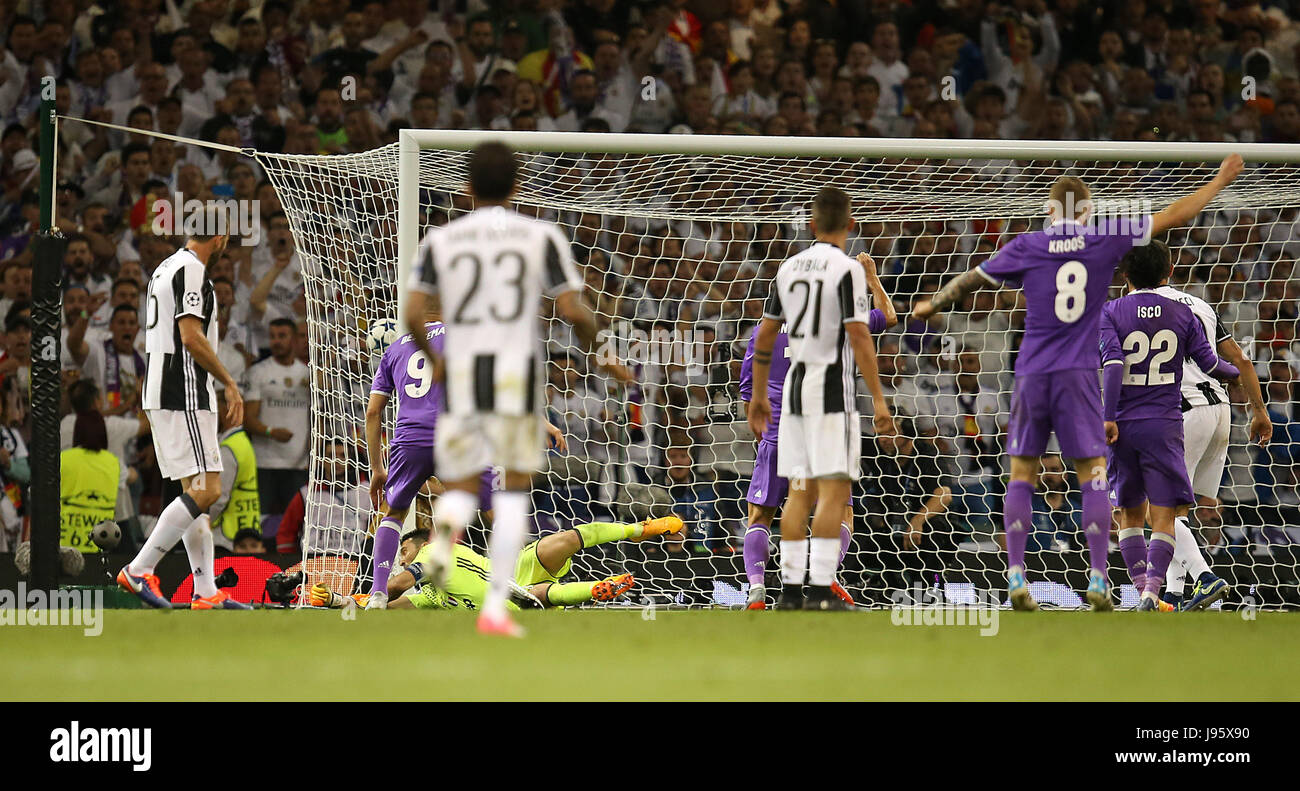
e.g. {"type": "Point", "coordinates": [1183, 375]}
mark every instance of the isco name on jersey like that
{"type": "Point", "coordinates": [491, 268]}
{"type": "Point", "coordinates": [816, 292]}
{"type": "Point", "coordinates": [173, 380]}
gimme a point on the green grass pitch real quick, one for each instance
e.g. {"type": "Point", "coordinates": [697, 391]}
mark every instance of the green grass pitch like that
{"type": "Point", "coordinates": [702, 655]}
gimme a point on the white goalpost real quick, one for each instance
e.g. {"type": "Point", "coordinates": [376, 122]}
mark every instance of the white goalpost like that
{"type": "Point", "coordinates": [677, 238]}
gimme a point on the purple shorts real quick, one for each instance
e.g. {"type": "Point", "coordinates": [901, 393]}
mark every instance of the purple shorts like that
{"type": "Point", "coordinates": [766, 488]}
{"type": "Point", "coordinates": [409, 466]}
{"type": "Point", "coordinates": [1067, 402]}
{"type": "Point", "coordinates": [1146, 464]}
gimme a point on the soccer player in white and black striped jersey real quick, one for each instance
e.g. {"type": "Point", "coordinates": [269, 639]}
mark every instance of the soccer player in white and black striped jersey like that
{"type": "Point", "coordinates": [180, 401]}
{"type": "Point", "coordinates": [491, 268]}
{"type": "Point", "coordinates": [1207, 420]}
{"type": "Point", "coordinates": [821, 294]}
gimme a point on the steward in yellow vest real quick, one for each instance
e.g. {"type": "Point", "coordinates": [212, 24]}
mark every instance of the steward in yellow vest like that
{"type": "Point", "coordinates": [89, 479]}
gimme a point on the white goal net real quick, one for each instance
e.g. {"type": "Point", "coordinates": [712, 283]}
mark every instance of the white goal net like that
{"type": "Point", "coordinates": [677, 251]}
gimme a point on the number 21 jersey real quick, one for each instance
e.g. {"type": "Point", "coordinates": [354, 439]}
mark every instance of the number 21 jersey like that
{"type": "Point", "coordinates": [491, 268]}
{"type": "Point", "coordinates": [1065, 271]}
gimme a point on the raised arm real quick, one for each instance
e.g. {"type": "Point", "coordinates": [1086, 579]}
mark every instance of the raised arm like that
{"type": "Point", "coordinates": [1185, 209]}
{"type": "Point", "coordinates": [879, 297]}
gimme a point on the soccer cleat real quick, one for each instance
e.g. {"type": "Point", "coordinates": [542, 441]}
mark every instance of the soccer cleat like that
{"type": "Point", "coordinates": [823, 600]}
{"type": "Point", "coordinates": [1174, 600]}
{"type": "Point", "coordinates": [661, 526]}
{"type": "Point", "coordinates": [791, 598]}
{"type": "Point", "coordinates": [1099, 593]}
{"type": "Point", "coordinates": [1205, 595]}
{"type": "Point", "coordinates": [757, 598]}
{"type": "Point", "coordinates": [612, 587]}
{"type": "Point", "coordinates": [1018, 592]}
{"type": "Point", "coordinates": [1148, 604]}
{"type": "Point", "coordinates": [374, 601]}
{"type": "Point", "coordinates": [218, 601]}
{"type": "Point", "coordinates": [839, 591]}
{"type": "Point", "coordinates": [145, 586]}
{"type": "Point", "coordinates": [320, 595]}
{"type": "Point", "coordinates": [501, 625]}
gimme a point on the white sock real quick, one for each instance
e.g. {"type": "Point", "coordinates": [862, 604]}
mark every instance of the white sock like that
{"type": "Point", "coordinates": [823, 557]}
{"type": "Point", "coordinates": [509, 528]}
{"type": "Point", "coordinates": [172, 524]}
{"type": "Point", "coordinates": [1186, 550]}
{"type": "Point", "coordinates": [454, 510]}
{"type": "Point", "coordinates": [1176, 576]}
{"type": "Point", "coordinates": [794, 561]}
{"type": "Point", "coordinates": [199, 548]}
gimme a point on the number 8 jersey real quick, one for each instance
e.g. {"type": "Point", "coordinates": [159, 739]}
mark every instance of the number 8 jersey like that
{"type": "Point", "coordinates": [490, 268]}
{"type": "Point", "coordinates": [816, 292]}
{"type": "Point", "coordinates": [1065, 271]}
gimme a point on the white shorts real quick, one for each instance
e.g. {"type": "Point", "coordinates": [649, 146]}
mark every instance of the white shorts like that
{"type": "Point", "coordinates": [185, 442]}
{"type": "Point", "coordinates": [818, 446]}
{"type": "Point", "coordinates": [1205, 446]}
{"type": "Point", "coordinates": [468, 444]}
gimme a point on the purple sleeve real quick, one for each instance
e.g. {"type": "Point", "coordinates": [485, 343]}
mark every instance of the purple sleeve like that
{"type": "Point", "coordinates": [876, 321]}
{"type": "Point", "coordinates": [1112, 376]}
{"type": "Point", "coordinates": [1006, 265]}
{"type": "Point", "coordinates": [1110, 347]}
{"type": "Point", "coordinates": [747, 369]}
{"type": "Point", "coordinates": [383, 382]}
{"type": "Point", "coordinates": [1199, 349]}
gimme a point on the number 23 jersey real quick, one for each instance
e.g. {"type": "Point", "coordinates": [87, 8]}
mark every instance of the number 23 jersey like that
{"type": "Point", "coordinates": [491, 268]}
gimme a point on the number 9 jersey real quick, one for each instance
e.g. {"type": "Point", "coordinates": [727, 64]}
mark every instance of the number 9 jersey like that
{"type": "Point", "coordinates": [405, 373]}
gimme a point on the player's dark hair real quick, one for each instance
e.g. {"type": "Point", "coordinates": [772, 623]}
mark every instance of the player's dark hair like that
{"type": "Point", "coordinates": [89, 431]}
{"type": "Point", "coordinates": [830, 210]}
{"type": "Point", "coordinates": [82, 395]}
{"type": "Point", "coordinates": [1148, 265]}
{"type": "Point", "coordinates": [492, 172]}
{"type": "Point", "coordinates": [419, 535]}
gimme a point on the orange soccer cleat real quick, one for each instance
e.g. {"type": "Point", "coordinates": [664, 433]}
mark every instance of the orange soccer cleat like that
{"type": "Point", "coordinates": [661, 526]}
{"type": "Point", "coordinates": [611, 588]}
{"type": "Point", "coordinates": [838, 590]}
{"type": "Point", "coordinates": [219, 601]}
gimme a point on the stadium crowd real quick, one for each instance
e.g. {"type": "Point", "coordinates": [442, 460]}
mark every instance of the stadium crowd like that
{"type": "Point", "coordinates": [341, 76]}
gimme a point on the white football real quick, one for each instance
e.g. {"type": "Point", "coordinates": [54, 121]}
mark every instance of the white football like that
{"type": "Point", "coordinates": [382, 333]}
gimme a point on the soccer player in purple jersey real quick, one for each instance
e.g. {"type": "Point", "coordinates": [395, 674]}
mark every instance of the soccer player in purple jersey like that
{"type": "Point", "coordinates": [1144, 338]}
{"type": "Point", "coordinates": [406, 372]}
{"type": "Point", "coordinates": [767, 490]}
{"type": "Point", "coordinates": [1065, 271]}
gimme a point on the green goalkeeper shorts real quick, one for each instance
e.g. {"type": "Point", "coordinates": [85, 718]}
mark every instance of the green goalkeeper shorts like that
{"type": "Point", "coordinates": [530, 571]}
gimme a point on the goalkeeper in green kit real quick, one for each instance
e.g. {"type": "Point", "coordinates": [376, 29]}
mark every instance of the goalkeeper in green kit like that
{"type": "Point", "coordinates": [542, 564]}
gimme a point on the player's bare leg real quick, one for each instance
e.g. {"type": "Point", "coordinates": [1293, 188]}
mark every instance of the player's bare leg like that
{"type": "Point", "coordinates": [1096, 518]}
{"type": "Point", "coordinates": [824, 546]}
{"type": "Point", "coordinates": [509, 527]}
{"type": "Point", "coordinates": [755, 553]}
{"type": "Point", "coordinates": [794, 543]}
{"type": "Point", "coordinates": [1017, 517]}
{"type": "Point", "coordinates": [1159, 553]}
